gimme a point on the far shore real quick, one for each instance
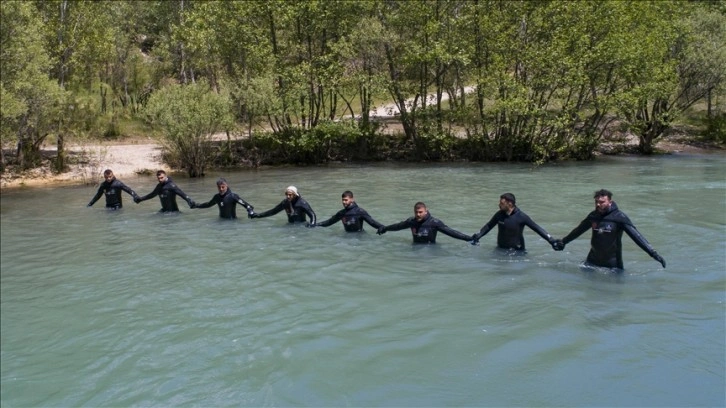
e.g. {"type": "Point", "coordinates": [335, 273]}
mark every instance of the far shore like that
{"type": "Point", "coordinates": [131, 158]}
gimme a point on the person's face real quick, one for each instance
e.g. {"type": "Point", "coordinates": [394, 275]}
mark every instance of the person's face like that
{"type": "Point", "coordinates": [222, 188]}
{"type": "Point", "coordinates": [289, 195]}
{"type": "Point", "coordinates": [420, 213]}
{"type": "Point", "coordinates": [602, 204]}
{"type": "Point", "coordinates": [108, 177]}
{"type": "Point", "coordinates": [504, 205]}
{"type": "Point", "coordinates": [161, 178]}
{"type": "Point", "coordinates": [347, 201]}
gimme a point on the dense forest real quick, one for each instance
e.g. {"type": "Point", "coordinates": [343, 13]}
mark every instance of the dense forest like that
{"type": "Point", "coordinates": [471, 79]}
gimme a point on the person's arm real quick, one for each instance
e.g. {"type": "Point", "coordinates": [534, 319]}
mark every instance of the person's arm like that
{"type": "Point", "coordinates": [486, 228]}
{"type": "Point", "coordinates": [643, 243]}
{"type": "Point", "coordinates": [250, 209]}
{"type": "Point", "coordinates": [367, 218]}
{"type": "Point", "coordinates": [396, 227]}
{"type": "Point", "coordinates": [452, 232]}
{"type": "Point", "coordinates": [155, 192]}
{"type": "Point", "coordinates": [274, 210]}
{"type": "Point", "coordinates": [332, 220]}
{"type": "Point", "coordinates": [127, 189]}
{"type": "Point", "coordinates": [209, 203]}
{"type": "Point", "coordinates": [95, 198]}
{"type": "Point", "coordinates": [539, 230]}
{"type": "Point", "coordinates": [309, 211]}
{"type": "Point", "coordinates": [579, 230]}
{"type": "Point", "coordinates": [178, 191]}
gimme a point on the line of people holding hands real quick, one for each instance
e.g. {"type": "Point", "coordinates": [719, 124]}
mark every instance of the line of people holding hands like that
{"type": "Point", "coordinates": [606, 222]}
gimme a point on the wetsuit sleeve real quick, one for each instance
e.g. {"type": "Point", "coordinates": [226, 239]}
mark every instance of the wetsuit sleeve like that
{"type": "Point", "coordinates": [539, 230]}
{"type": "Point", "coordinates": [309, 211]}
{"type": "Point", "coordinates": [244, 203]}
{"type": "Point", "coordinates": [152, 194]}
{"type": "Point", "coordinates": [452, 232]}
{"type": "Point", "coordinates": [399, 225]}
{"type": "Point", "coordinates": [373, 223]}
{"type": "Point", "coordinates": [639, 239]}
{"type": "Point", "coordinates": [579, 230]}
{"type": "Point", "coordinates": [178, 191]}
{"type": "Point", "coordinates": [272, 211]}
{"type": "Point", "coordinates": [127, 189]}
{"type": "Point", "coordinates": [486, 228]}
{"type": "Point", "coordinates": [332, 220]}
{"type": "Point", "coordinates": [98, 195]}
{"type": "Point", "coordinates": [209, 203]}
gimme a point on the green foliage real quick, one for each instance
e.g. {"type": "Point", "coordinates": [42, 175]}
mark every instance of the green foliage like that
{"type": "Point", "coordinates": [189, 116]}
{"type": "Point", "coordinates": [546, 78]}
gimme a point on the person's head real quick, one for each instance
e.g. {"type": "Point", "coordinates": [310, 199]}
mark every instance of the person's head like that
{"type": "Point", "coordinates": [291, 193]}
{"type": "Point", "coordinates": [507, 202]}
{"type": "Point", "coordinates": [347, 198]}
{"type": "Point", "coordinates": [420, 211]}
{"type": "Point", "coordinates": [603, 200]}
{"type": "Point", "coordinates": [222, 185]}
{"type": "Point", "coordinates": [161, 176]}
{"type": "Point", "coordinates": [108, 175]}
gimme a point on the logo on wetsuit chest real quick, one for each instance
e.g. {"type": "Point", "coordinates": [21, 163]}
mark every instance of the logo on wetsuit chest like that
{"type": "Point", "coordinates": [423, 232]}
{"type": "Point", "coordinates": [349, 220]}
{"type": "Point", "coordinates": [605, 228]}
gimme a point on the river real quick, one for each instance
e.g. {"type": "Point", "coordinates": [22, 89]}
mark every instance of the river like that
{"type": "Point", "coordinates": [135, 308]}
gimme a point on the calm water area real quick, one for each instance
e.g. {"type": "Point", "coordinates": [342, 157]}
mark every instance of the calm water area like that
{"type": "Point", "coordinates": [135, 308]}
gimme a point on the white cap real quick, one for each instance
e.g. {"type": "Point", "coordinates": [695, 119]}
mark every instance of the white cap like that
{"type": "Point", "coordinates": [293, 190]}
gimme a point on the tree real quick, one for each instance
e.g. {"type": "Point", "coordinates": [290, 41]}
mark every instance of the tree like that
{"type": "Point", "coordinates": [30, 99]}
{"type": "Point", "coordinates": [189, 115]}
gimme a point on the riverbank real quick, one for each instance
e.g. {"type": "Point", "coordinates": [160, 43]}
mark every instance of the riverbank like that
{"type": "Point", "coordinates": [142, 156]}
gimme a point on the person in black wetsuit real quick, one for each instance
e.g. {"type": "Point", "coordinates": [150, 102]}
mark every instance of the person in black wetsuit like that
{"type": "Point", "coordinates": [351, 215]}
{"type": "Point", "coordinates": [424, 227]}
{"type": "Point", "coordinates": [511, 221]}
{"type": "Point", "coordinates": [608, 223]}
{"type": "Point", "coordinates": [167, 192]}
{"type": "Point", "coordinates": [112, 188]}
{"type": "Point", "coordinates": [294, 205]}
{"type": "Point", "coordinates": [227, 202]}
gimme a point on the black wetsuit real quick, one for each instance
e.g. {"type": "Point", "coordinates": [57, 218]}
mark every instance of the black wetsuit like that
{"type": "Point", "coordinates": [606, 248]}
{"type": "Point", "coordinates": [167, 192]}
{"type": "Point", "coordinates": [112, 189]}
{"type": "Point", "coordinates": [424, 231]}
{"type": "Point", "coordinates": [511, 228]}
{"type": "Point", "coordinates": [227, 204]}
{"type": "Point", "coordinates": [295, 209]}
{"type": "Point", "coordinates": [352, 217]}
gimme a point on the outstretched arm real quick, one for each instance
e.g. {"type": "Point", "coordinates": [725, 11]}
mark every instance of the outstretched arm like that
{"type": "Point", "coordinates": [486, 228]}
{"type": "Point", "coordinates": [579, 230]}
{"type": "Point", "coordinates": [373, 223]}
{"type": "Point", "coordinates": [152, 194]}
{"type": "Point", "coordinates": [98, 195]}
{"type": "Point", "coordinates": [396, 227]}
{"type": "Point", "coordinates": [209, 203]}
{"type": "Point", "coordinates": [539, 230]}
{"type": "Point", "coordinates": [332, 220]}
{"type": "Point", "coordinates": [452, 232]}
{"type": "Point", "coordinates": [272, 211]}
{"type": "Point", "coordinates": [127, 189]}
{"type": "Point", "coordinates": [643, 243]}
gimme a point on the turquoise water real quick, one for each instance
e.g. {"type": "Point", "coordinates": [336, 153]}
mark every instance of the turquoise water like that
{"type": "Point", "coordinates": [134, 308]}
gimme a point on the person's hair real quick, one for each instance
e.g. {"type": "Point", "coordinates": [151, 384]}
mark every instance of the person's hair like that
{"type": "Point", "coordinates": [107, 172]}
{"type": "Point", "coordinates": [602, 192]}
{"type": "Point", "coordinates": [160, 172]}
{"type": "Point", "coordinates": [508, 197]}
{"type": "Point", "coordinates": [221, 181]}
{"type": "Point", "coordinates": [419, 205]}
{"type": "Point", "coordinates": [347, 193]}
